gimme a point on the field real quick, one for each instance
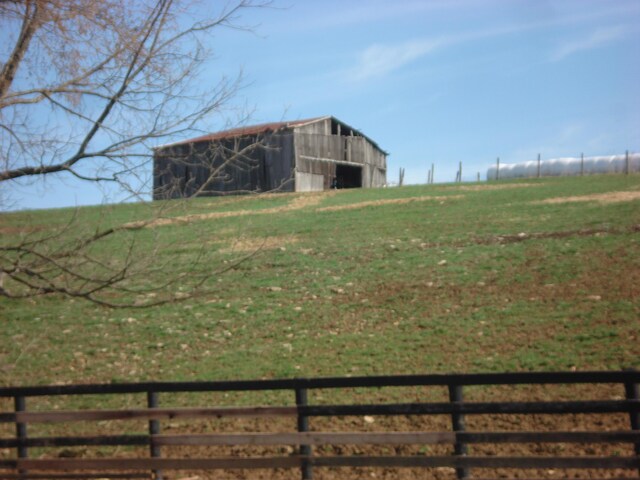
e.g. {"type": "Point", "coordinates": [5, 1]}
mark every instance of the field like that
{"type": "Point", "coordinates": [506, 276]}
{"type": "Point", "coordinates": [503, 276]}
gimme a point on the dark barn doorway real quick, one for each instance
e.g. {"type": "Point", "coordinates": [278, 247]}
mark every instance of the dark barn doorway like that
{"type": "Point", "coordinates": [348, 176]}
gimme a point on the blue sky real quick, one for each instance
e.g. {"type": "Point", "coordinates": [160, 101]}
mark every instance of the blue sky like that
{"type": "Point", "coordinates": [439, 81]}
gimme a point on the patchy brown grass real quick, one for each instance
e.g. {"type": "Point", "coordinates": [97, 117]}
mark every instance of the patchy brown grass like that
{"type": "Point", "coordinates": [480, 188]}
{"type": "Point", "coordinates": [585, 232]}
{"type": "Point", "coordinates": [309, 199]}
{"type": "Point", "coordinates": [15, 230]}
{"type": "Point", "coordinates": [245, 244]}
{"type": "Point", "coordinates": [612, 197]}
{"type": "Point", "coordinates": [390, 201]}
{"type": "Point", "coordinates": [298, 202]}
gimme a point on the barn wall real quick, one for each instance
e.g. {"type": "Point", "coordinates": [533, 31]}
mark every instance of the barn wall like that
{"type": "Point", "coordinates": [172, 172]}
{"type": "Point", "coordinates": [375, 161]}
{"type": "Point", "coordinates": [328, 147]}
{"type": "Point", "coordinates": [310, 182]}
{"type": "Point", "coordinates": [321, 127]}
{"type": "Point", "coordinates": [318, 154]}
{"type": "Point", "coordinates": [229, 166]}
{"type": "Point", "coordinates": [279, 163]}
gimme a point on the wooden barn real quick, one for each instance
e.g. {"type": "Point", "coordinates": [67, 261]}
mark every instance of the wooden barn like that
{"type": "Point", "coordinates": [300, 156]}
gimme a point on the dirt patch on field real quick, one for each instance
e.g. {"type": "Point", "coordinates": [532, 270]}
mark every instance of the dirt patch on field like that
{"type": "Point", "coordinates": [391, 201]}
{"type": "Point", "coordinates": [309, 199]}
{"type": "Point", "coordinates": [508, 238]}
{"type": "Point", "coordinates": [245, 244]}
{"type": "Point", "coordinates": [477, 188]}
{"type": "Point", "coordinates": [586, 232]}
{"type": "Point", "coordinates": [612, 197]}
{"type": "Point", "coordinates": [297, 203]}
{"type": "Point", "coordinates": [13, 230]}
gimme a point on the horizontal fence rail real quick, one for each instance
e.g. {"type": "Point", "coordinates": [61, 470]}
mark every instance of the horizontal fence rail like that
{"type": "Point", "coordinates": [308, 454]}
{"type": "Point", "coordinates": [611, 406]}
{"type": "Point", "coordinates": [520, 378]}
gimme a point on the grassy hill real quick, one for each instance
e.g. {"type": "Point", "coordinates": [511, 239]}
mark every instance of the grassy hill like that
{"type": "Point", "coordinates": [514, 275]}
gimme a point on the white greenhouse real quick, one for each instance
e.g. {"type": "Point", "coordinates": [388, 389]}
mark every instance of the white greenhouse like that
{"type": "Point", "coordinates": [566, 166]}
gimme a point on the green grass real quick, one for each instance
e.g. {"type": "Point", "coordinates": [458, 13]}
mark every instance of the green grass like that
{"type": "Point", "coordinates": [418, 287]}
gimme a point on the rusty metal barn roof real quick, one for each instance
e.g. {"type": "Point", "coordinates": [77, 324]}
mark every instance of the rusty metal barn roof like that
{"type": "Point", "coordinates": [246, 130]}
{"type": "Point", "coordinates": [263, 128]}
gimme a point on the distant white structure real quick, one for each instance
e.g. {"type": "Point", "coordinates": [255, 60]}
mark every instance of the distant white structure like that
{"type": "Point", "coordinates": [567, 166]}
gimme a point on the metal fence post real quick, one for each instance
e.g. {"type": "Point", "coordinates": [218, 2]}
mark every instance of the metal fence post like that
{"type": "Point", "coordinates": [303, 426]}
{"type": "Point", "coordinates": [154, 429]}
{"type": "Point", "coordinates": [20, 405]}
{"type": "Point", "coordinates": [626, 162]}
{"type": "Point", "coordinates": [457, 420]}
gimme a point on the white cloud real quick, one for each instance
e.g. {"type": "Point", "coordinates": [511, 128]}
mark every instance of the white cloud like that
{"type": "Point", "coordinates": [598, 38]}
{"type": "Point", "coordinates": [378, 60]}
{"type": "Point", "coordinates": [381, 59]}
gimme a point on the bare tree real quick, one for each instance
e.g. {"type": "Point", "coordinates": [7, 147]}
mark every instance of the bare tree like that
{"type": "Point", "coordinates": [87, 89]}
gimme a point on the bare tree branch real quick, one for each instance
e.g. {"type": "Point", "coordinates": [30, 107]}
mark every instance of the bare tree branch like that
{"type": "Point", "coordinates": [87, 87]}
{"type": "Point", "coordinates": [29, 27]}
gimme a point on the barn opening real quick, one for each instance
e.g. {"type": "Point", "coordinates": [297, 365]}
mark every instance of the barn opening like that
{"type": "Point", "coordinates": [348, 176]}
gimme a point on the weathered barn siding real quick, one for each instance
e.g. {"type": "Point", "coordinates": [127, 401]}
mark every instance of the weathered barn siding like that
{"type": "Point", "coordinates": [321, 127]}
{"type": "Point", "coordinates": [319, 154]}
{"type": "Point", "coordinates": [310, 182]}
{"type": "Point", "coordinates": [307, 155]}
{"type": "Point", "coordinates": [279, 163]}
{"type": "Point", "coordinates": [228, 166]}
